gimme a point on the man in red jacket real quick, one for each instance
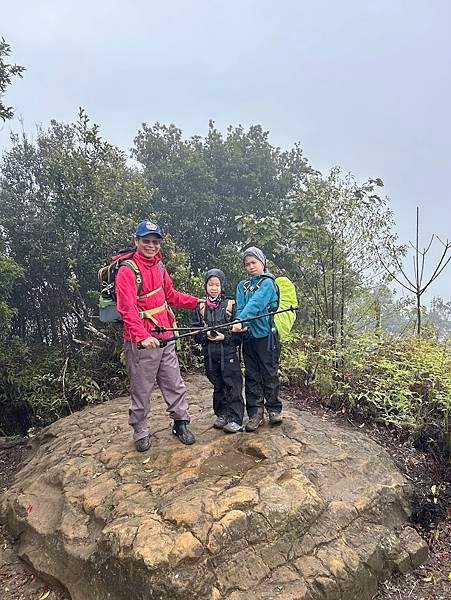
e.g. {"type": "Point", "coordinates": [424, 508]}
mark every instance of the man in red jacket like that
{"type": "Point", "coordinates": [147, 361]}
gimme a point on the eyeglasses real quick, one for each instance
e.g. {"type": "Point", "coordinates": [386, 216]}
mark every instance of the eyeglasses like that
{"type": "Point", "coordinates": [150, 241]}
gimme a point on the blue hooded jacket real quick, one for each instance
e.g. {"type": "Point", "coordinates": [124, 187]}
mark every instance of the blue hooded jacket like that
{"type": "Point", "coordinates": [255, 296]}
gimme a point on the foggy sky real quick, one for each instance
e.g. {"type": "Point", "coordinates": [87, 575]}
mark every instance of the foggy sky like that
{"type": "Point", "coordinates": [363, 85]}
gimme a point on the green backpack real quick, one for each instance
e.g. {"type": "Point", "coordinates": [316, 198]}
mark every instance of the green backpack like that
{"type": "Point", "coordinates": [286, 294]}
{"type": "Point", "coordinates": [108, 312]}
{"type": "Point", "coordinates": [287, 298]}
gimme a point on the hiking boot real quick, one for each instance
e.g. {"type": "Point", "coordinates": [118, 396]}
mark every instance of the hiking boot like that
{"type": "Point", "coordinates": [143, 444]}
{"type": "Point", "coordinates": [232, 427]}
{"type": "Point", "coordinates": [275, 418]}
{"type": "Point", "coordinates": [183, 433]}
{"type": "Point", "coordinates": [220, 422]}
{"type": "Point", "coordinates": [255, 421]}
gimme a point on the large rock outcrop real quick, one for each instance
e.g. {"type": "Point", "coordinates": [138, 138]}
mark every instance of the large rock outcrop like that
{"type": "Point", "coordinates": [304, 511]}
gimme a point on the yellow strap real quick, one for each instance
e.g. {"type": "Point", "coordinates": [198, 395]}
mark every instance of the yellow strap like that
{"type": "Point", "coordinates": [178, 345]}
{"type": "Point", "coordinates": [150, 293]}
{"type": "Point", "coordinates": [148, 314]}
{"type": "Point", "coordinates": [134, 267]}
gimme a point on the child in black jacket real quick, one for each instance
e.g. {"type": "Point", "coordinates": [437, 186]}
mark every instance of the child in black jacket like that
{"type": "Point", "coordinates": [222, 365]}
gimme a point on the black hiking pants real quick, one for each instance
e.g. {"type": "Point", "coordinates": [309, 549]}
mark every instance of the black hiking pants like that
{"type": "Point", "coordinates": [223, 370]}
{"type": "Point", "coordinates": [261, 377]}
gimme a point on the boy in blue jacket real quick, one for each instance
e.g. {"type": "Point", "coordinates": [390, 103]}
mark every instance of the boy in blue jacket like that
{"type": "Point", "coordinates": [255, 296]}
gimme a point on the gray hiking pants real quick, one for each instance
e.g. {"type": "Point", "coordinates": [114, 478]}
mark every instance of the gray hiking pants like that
{"type": "Point", "coordinates": [145, 367]}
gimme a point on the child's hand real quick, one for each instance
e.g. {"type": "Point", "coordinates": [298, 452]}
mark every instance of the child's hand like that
{"type": "Point", "coordinates": [219, 337]}
{"type": "Point", "coordinates": [238, 328]}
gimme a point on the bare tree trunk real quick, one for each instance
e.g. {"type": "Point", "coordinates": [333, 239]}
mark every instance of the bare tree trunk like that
{"type": "Point", "coordinates": [332, 302]}
{"type": "Point", "coordinates": [342, 319]}
{"type": "Point", "coordinates": [415, 285]}
{"type": "Point", "coordinates": [418, 315]}
{"type": "Point", "coordinates": [418, 282]}
{"type": "Point", "coordinates": [342, 306]}
{"type": "Point", "coordinates": [378, 316]}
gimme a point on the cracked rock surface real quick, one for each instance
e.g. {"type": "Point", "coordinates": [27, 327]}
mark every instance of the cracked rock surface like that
{"type": "Point", "coordinates": [303, 511]}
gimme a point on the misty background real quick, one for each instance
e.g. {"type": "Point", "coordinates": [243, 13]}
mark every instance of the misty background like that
{"type": "Point", "coordinates": [362, 85]}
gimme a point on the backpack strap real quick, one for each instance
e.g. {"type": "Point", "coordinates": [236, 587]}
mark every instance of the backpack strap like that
{"type": "Point", "coordinates": [162, 269]}
{"type": "Point", "coordinates": [228, 310]}
{"type": "Point", "coordinates": [151, 293]}
{"type": "Point", "coordinates": [273, 279]}
{"type": "Point", "coordinates": [202, 307]}
{"type": "Point", "coordinates": [149, 313]}
{"type": "Point", "coordinates": [247, 287]}
{"type": "Point", "coordinates": [134, 267]}
{"type": "Point", "coordinates": [130, 263]}
{"type": "Point", "coordinates": [265, 276]}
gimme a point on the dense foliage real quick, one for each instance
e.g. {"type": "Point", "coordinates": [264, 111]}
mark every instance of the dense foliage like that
{"type": "Point", "coordinates": [403, 382]}
{"type": "Point", "coordinates": [203, 184]}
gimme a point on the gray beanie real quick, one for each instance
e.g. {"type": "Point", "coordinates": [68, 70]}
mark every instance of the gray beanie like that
{"type": "Point", "coordinates": [257, 253]}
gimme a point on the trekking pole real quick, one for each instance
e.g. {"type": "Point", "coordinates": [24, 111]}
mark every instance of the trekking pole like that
{"type": "Point", "coordinates": [159, 329]}
{"type": "Point", "coordinates": [174, 338]}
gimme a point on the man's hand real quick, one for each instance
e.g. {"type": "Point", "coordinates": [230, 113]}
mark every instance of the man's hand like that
{"type": "Point", "coordinates": [149, 343]}
{"type": "Point", "coordinates": [219, 337]}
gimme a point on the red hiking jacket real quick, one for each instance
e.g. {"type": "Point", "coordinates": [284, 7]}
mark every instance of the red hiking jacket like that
{"type": "Point", "coordinates": [135, 328]}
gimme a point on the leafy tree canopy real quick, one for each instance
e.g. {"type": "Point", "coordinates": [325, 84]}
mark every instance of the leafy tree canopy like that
{"type": "Point", "coordinates": [7, 72]}
{"type": "Point", "coordinates": [203, 184]}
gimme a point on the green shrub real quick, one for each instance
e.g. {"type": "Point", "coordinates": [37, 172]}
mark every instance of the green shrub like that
{"type": "Point", "coordinates": [402, 382]}
{"type": "Point", "coordinates": [39, 384]}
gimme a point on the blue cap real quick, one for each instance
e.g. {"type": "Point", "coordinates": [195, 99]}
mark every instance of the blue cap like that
{"type": "Point", "coordinates": [147, 227]}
